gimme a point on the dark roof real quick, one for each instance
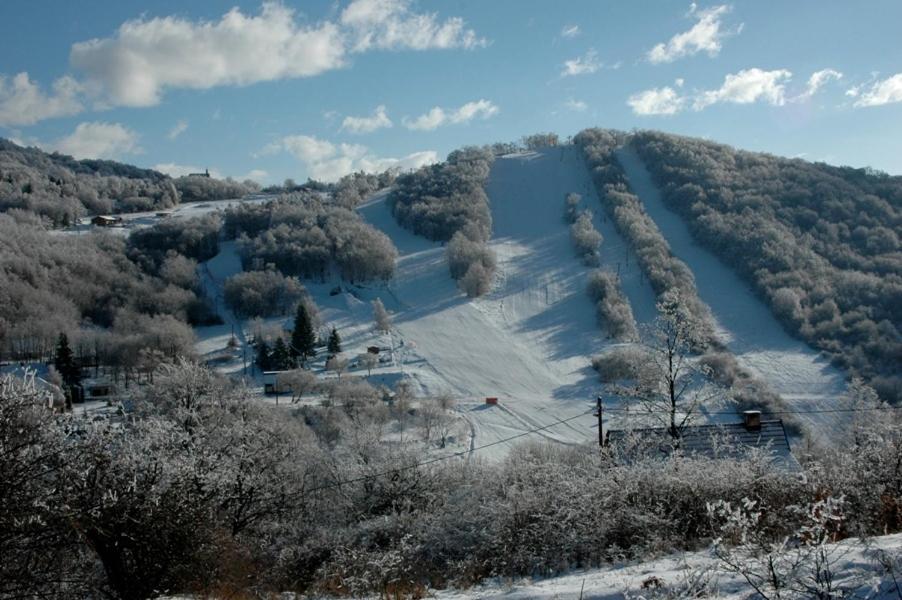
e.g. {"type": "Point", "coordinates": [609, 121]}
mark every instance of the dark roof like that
{"type": "Point", "coordinates": [718, 440]}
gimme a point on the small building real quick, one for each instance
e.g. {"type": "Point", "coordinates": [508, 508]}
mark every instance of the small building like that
{"type": "Point", "coordinates": [106, 221]}
{"type": "Point", "coordinates": [206, 173]}
{"type": "Point", "coordinates": [373, 349]}
{"type": "Point", "coordinates": [491, 401]}
{"type": "Point", "coordinates": [274, 384]}
{"type": "Point", "coordinates": [715, 440]}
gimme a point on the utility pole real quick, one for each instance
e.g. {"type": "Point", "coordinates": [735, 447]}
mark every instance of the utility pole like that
{"type": "Point", "coordinates": [599, 412]}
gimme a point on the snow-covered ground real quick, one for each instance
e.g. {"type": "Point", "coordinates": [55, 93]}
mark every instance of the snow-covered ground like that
{"type": "Point", "coordinates": [854, 563]}
{"type": "Point", "coordinates": [793, 369]}
{"type": "Point", "coordinates": [139, 220]}
{"type": "Point", "coordinates": [529, 341]}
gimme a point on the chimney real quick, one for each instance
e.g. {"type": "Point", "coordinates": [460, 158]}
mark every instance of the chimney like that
{"type": "Point", "coordinates": [752, 420]}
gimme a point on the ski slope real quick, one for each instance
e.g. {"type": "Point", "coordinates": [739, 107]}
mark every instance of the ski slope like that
{"type": "Point", "coordinates": [804, 378]}
{"type": "Point", "coordinates": [529, 341]}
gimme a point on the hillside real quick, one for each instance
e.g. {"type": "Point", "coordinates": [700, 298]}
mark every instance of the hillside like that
{"type": "Point", "coordinates": [820, 245]}
{"type": "Point", "coordinates": [62, 189]}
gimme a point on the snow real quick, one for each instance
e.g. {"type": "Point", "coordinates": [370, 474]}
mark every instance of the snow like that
{"type": "Point", "coordinates": [529, 341]}
{"type": "Point", "coordinates": [804, 378]}
{"type": "Point", "coordinates": [855, 559]}
{"type": "Point", "coordinates": [140, 220]}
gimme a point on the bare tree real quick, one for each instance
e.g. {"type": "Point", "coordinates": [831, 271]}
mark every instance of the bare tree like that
{"type": "Point", "coordinates": [299, 381]}
{"type": "Point", "coordinates": [672, 386]}
{"type": "Point", "coordinates": [369, 361]}
{"type": "Point", "coordinates": [337, 364]}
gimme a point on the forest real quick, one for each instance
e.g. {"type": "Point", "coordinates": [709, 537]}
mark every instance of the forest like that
{"type": "Point", "coordinates": [446, 202]}
{"type": "Point", "coordinates": [819, 244]}
{"type": "Point", "coordinates": [243, 497]}
{"type": "Point", "coordinates": [302, 234]}
{"type": "Point", "coordinates": [62, 189]}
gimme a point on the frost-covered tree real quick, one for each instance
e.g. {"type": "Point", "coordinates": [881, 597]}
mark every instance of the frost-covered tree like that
{"type": "Point", "coordinates": [671, 386]}
{"type": "Point", "coordinates": [381, 316]}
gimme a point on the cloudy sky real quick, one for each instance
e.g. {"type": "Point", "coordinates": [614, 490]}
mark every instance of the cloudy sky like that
{"type": "Point", "coordinates": [320, 88]}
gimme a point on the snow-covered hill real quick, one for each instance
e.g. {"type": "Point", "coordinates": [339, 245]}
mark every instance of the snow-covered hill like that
{"type": "Point", "coordinates": [530, 340]}
{"type": "Point", "coordinates": [804, 378]}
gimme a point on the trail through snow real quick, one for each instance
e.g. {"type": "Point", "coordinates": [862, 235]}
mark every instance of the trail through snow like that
{"type": "Point", "coordinates": [529, 341]}
{"type": "Point", "coordinates": [804, 378]}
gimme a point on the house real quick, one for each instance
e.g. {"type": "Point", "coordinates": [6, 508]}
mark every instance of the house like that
{"type": "Point", "coordinates": [106, 221]}
{"type": "Point", "coordinates": [715, 440]}
{"type": "Point", "coordinates": [273, 384]}
{"type": "Point", "coordinates": [206, 173]}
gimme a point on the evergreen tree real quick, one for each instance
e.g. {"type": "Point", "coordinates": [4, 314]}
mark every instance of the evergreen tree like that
{"type": "Point", "coordinates": [264, 360]}
{"type": "Point", "coordinates": [281, 357]}
{"type": "Point", "coordinates": [334, 345]}
{"type": "Point", "coordinates": [303, 339]}
{"type": "Point", "coordinates": [64, 361]}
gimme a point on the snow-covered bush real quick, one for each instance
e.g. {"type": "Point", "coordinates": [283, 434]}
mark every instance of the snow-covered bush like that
{"type": "Point", "coordinates": [262, 293]}
{"type": "Point", "coordinates": [614, 311]}
{"type": "Point", "coordinates": [586, 239]}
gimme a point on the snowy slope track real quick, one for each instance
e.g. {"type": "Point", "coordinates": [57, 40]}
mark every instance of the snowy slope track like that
{"type": "Point", "coordinates": [805, 379]}
{"type": "Point", "coordinates": [530, 339]}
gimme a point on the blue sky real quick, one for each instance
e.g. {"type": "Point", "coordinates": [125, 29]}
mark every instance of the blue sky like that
{"type": "Point", "coordinates": [315, 88]}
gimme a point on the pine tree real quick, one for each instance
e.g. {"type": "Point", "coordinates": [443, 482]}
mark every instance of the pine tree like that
{"type": "Point", "coordinates": [64, 361]}
{"type": "Point", "coordinates": [263, 356]}
{"type": "Point", "coordinates": [303, 338]}
{"type": "Point", "coordinates": [281, 357]}
{"type": "Point", "coordinates": [334, 342]}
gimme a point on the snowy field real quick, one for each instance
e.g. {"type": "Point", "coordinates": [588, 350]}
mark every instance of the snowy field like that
{"type": "Point", "coordinates": [803, 377]}
{"type": "Point", "coordinates": [853, 562]}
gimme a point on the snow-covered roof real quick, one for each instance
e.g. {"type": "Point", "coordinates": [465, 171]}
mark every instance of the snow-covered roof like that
{"type": "Point", "coordinates": [716, 440]}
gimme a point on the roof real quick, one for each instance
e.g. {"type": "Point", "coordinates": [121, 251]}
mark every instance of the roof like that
{"type": "Point", "coordinates": [718, 440]}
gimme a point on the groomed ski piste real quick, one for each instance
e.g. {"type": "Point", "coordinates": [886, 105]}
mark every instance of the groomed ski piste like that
{"type": "Point", "coordinates": [530, 340]}
{"type": "Point", "coordinates": [798, 373]}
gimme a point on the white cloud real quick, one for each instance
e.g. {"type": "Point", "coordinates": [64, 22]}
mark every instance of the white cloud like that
{"type": "Point", "coordinates": [258, 175]}
{"type": "Point", "coordinates": [178, 129]}
{"type": "Point", "coordinates": [883, 92]}
{"type": "Point", "coordinates": [23, 103]}
{"type": "Point", "coordinates": [144, 57]}
{"type": "Point", "coordinates": [581, 65]}
{"type": "Point", "coordinates": [326, 161]}
{"type": "Point", "coordinates": [570, 31]}
{"type": "Point", "coordinates": [657, 101]}
{"type": "Point", "coordinates": [97, 140]}
{"type": "Point", "coordinates": [705, 36]}
{"type": "Point", "coordinates": [575, 105]}
{"type": "Point", "coordinates": [482, 109]}
{"type": "Point", "coordinates": [818, 80]}
{"type": "Point", "coordinates": [747, 86]}
{"type": "Point", "coordinates": [378, 120]}
{"type": "Point", "coordinates": [391, 25]}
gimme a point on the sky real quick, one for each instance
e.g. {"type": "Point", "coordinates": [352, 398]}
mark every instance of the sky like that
{"type": "Point", "coordinates": [315, 88]}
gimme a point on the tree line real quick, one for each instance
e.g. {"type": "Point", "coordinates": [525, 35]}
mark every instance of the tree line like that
{"type": "Point", "coordinates": [819, 244]}
{"type": "Point", "coordinates": [664, 271]}
{"type": "Point", "coordinates": [302, 235]}
{"type": "Point", "coordinates": [446, 202]}
{"type": "Point", "coordinates": [62, 189]}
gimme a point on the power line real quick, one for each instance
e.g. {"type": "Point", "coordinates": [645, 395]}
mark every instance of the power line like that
{"type": "Point", "coordinates": [444, 457]}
